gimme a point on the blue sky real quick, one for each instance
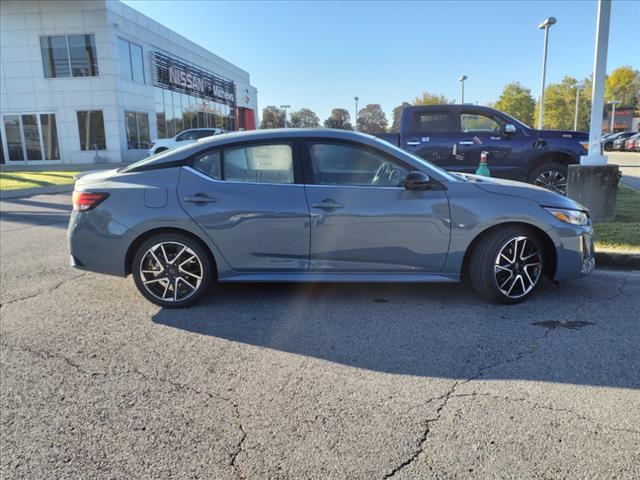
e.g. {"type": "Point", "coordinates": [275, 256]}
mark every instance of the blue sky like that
{"type": "Point", "coordinates": [321, 54]}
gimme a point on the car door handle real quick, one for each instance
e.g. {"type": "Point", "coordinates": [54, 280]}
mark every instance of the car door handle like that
{"type": "Point", "coordinates": [466, 142]}
{"type": "Point", "coordinates": [200, 198]}
{"type": "Point", "coordinates": [413, 144]}
{"type": "Point", "coordinates": [327, 204]}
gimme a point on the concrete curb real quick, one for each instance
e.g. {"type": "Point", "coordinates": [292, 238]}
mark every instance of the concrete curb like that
{"type": "Point", "coordinates": [628, 261]}
{"type": "Point", "coordinates": [30, 192]}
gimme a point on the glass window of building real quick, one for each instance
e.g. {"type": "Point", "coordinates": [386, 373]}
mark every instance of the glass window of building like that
{"type": "Point", "coordinates": [32, 136]}
{"type": "Point", "coordinates": [49, 136]}
{"type": "Point", "coordinates": [69, 56]}
{"type": "Point", "coordinates": [131, 63]}
{"type": "Point", "coordinates": [137, 127]}
{"type": "Point", "coordinates": [91, 130]}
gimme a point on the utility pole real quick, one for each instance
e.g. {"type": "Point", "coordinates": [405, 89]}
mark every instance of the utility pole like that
{"type": "Point", "coordinates": [613, 114]}
{"type": "Point", "coordinates": [284, 107]}
{"type": "Point", "coordinates": [355, 123]}
{"type": "Point", "coordinates": [575, 120]}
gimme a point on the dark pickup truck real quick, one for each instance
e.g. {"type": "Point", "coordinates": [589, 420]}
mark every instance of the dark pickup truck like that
{"type": "Point", "coordinates": [453, 137]}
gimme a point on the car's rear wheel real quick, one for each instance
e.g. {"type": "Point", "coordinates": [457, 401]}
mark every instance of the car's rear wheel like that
{"type": "Point", "coordinates": [506, 266]}
{"type": "Point", "coordinates": [552, 176]}
{"type": "Point", "coordinates": [172, 270]}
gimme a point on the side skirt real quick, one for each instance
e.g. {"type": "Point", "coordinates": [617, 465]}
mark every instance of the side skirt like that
{"type": "Point", "coordinates": [342, 277]}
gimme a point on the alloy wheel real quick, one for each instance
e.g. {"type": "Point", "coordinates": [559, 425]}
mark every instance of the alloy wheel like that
{"type": "Point", "coordinates": [518, 266]}
{"type": "Point", "coordinates": [171, 271]}
{"type": "Point", "coordinates": [552, 180]}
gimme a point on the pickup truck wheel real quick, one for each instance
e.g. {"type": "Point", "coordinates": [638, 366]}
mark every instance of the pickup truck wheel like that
{"type": "Point", "coordinates": [506, 267]}
{"type": "Point", "coordinates": [552, 176]}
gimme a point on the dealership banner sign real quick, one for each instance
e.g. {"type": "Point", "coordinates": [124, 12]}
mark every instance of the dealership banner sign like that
{"type": "Point", "coordinates": [179, 76]}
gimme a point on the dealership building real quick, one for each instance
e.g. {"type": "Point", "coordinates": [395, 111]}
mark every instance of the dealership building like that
{"type": "Point", "coordinates": [86, 81]}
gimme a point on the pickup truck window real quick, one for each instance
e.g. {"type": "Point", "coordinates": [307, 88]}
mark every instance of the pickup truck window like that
{"type": "Point", "coordinates": [474, 122]}
{"type": "Point", "coordinates": [431, 122]}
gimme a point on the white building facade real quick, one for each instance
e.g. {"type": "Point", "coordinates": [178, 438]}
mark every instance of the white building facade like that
{"type": "Point", "coordinates": [96, 81]}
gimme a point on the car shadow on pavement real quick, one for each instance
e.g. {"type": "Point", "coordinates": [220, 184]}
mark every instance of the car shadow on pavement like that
{"type": "Point", "coordinates": [443, 331]}
{"type": "Point", "coordinates": [35, 212]}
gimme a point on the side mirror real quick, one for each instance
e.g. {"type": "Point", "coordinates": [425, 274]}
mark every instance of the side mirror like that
{"type": "Point", "coordinates": [509, 129]}
{"type": "Point", "coordinates": [417, 181]}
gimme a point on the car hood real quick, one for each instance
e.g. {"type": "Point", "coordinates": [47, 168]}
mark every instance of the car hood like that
{"type": "Point", "coordinates": [512, 188]}
{"type": "Point", "coordinates": [580, 136]}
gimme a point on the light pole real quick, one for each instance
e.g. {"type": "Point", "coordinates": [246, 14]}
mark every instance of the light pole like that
{"type": "Point", "coordinates": [613, 114]}
{"type": "Point", "coordinates": [575, 119]}
{"type": "Point", "coordinates": [544, 25]}
{"type": "Point", "coordinates": [461, 80]}
{"type": "Point", "coordinates": [284, 107]}
{"type": "Point", "coordinates": [355, 126]}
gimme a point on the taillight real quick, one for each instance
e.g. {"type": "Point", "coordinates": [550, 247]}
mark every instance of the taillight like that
{"type": "Point", "coordinates": [83, 201]}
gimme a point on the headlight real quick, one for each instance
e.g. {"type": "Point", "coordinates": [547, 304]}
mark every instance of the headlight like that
{"type": "Point", "coordinates": [574, 217]}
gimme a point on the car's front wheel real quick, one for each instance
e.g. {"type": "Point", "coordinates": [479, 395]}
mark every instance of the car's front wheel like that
{"type": "Point", "coordinates": [172, 270]}
{"type": "Point", "coordinates": [506, 266]}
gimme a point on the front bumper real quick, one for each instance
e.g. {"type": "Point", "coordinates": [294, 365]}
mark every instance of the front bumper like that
{"type": "Point", "coordinates": [575, 256]}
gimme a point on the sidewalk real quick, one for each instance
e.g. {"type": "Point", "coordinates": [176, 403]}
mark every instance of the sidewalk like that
{"type": "Point", "coordinates": [61, 167]}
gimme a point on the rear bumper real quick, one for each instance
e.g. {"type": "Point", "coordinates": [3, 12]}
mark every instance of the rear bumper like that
{"type": "Point", "coordinates": [98, 243]}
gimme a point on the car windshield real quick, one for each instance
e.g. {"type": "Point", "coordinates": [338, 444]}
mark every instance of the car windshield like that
{"type": "Point", "coordinates": [515, 120]}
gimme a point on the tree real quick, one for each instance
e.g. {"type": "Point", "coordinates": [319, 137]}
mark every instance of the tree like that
{"type": "Point", "coordinates": [431, 99]}
{"type": "Point", "coordinates": [517, 101]}
{"type": "Point", "coordinates": [339, 119]}
{"type": "Point", "coordinates": [304, 118]}
{"type": "Point", "coordinates": [395, 126]}
{"type": "Point", "coordinates": [371, 119]}
{"type": "Point", "coordinates": [624, 85]}
{"type": "Point", "coordinates": [560, 105]}
{"type": "Point", "coordinates": [272, 117]}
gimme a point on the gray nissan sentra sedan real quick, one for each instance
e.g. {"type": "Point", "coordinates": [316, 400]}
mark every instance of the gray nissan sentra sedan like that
{"type": "Point", "coordinates": [319, 206]}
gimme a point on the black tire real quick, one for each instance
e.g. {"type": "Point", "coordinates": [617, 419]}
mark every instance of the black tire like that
{"type": "Point", "coordinates": [483, 265]}
{"type": "Point", "coordinates": [160, 149]}
{"type": "Point", "coordinates": [554, 172]}
{"type": "Point", "coordinates": [160, 287]}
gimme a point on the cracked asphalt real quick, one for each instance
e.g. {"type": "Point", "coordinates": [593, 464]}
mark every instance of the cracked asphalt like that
{"type": "Point", "coordinates": [307, 381]}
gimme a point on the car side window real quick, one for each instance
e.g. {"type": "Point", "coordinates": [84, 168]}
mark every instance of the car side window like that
{"type": "Point", "coordinates": [209, 164]}
{"type": "Point", "coordinates": [349, 165]}
{"type": "Point", "coordinates": [431, 122]}
{"type": "Point", "coordinates": [187, 136]}
{"type": "Point", "coordinates": [259, 163]}
{"type": "Point", "coordinates": [205, 133]}
{"type": "Point", "coordinates": [478, 123]}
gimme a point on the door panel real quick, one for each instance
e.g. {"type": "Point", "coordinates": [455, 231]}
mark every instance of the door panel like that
{"type": "Point", "coordinates": [432, 135]}
{"type": "Point", "coordinates": [378, 229]}
{"type": "Point", "coordinates": [363, 220]}
{"type": "Point", "coordinates": [256, 226]}
{"type": "Point", "coordinates": [480, 133]}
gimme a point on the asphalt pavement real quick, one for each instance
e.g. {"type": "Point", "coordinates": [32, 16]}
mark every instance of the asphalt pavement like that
{"type": "Point", "coordinates": [307, 381]}
{"type": "Point", "coordinates": [629, 166]}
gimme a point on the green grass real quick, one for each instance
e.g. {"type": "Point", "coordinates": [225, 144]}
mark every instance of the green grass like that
{"type": "Point", "coordinates": [15, 180]}
{"type": "Point", "coordinates": [623, 234]}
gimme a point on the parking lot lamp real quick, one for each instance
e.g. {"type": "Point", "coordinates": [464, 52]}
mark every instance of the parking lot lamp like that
{"type": "Point", "coordinates": [544, 25]}
{"type": "Point", "coordinates": [355, 127]}
{"type": "Point", "coordinates": [613, 114]}
{"type": "Point", "coordinates": [461, 80]}
{"type": "Point", "coordinates": [284, 107]}
{"type": "Point", "coordinates": [575, 119]}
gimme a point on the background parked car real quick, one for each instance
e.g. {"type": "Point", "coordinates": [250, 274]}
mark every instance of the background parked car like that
{"type": "Point", "coordinates": [607, 141]}
{"type": "Point", "coordinates": [183, 138]}
{"type": "Point", "coordinates": [631, 142]}
{"type": "Point", "coordinates": [454, 136]}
